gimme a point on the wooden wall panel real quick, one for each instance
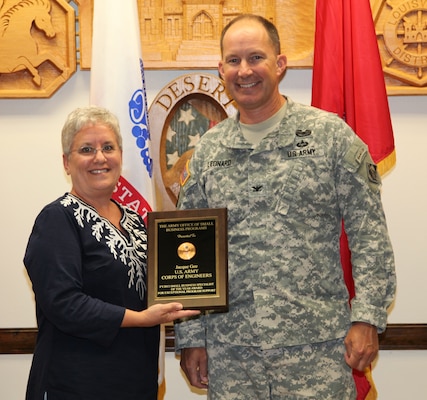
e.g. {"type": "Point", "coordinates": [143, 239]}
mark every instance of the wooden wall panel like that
{"type": "Point", "coordinates": [396, 337]}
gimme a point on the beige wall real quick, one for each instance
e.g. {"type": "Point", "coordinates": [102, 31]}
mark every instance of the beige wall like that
{"type": "Point", "coordinates": [31, 175]}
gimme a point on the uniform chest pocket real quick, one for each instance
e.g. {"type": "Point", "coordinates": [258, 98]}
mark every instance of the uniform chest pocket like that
{"type": "Point", "coordinates": [287, 192]}
{"type": "Point", "coordinates": [310, 187]}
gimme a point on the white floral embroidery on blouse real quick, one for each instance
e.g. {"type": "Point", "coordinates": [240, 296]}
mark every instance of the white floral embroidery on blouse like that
{"type": "Point", "coordinates": [133, 256]}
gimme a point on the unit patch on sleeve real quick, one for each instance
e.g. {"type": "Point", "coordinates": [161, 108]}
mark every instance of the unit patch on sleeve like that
{"type": "Point", "coordinates": [185, 174]}
{"type": "Point", "coordinates": [373, 174]}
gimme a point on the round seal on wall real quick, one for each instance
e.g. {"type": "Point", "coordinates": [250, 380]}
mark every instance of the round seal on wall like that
{"type": "Point", "coordinates": [401, 28]}
{"type": "Point", "coordinates": [179, 116]}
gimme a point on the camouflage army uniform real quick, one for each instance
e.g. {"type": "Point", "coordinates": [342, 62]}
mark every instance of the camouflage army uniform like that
{"type": "Point", "coordinates": [286, 199]}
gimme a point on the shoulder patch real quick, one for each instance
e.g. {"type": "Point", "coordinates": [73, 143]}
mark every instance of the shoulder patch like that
{"type": "Point", "coordinates": [185, 174]}
{"type": "Point", "coordinates": [358, 160]}
{"type": "Point", "coordinates": [355, 155]}
{"type": "Point", "coordinates": [373, 174]}
{"type": "Point", "coordinates": [360, 155]}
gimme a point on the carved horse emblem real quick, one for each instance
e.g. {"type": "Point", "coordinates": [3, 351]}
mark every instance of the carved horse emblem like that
{"type": "Point", "coordinates": [18, 49]}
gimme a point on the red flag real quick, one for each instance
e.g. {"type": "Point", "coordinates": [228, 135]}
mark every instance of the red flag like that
{"type": "Point", "coordinates": [348, 80]}
{"type": "Point", "coordinates": [348, 77]}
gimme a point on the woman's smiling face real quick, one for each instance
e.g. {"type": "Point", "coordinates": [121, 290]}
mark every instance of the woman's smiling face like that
{"type": "Point", "coordinates": [94, 163]}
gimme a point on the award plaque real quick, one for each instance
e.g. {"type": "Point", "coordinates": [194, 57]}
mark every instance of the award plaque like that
{"type": "Point", "coordinates": [187, 258]}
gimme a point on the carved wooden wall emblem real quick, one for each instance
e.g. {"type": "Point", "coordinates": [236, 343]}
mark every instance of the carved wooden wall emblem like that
{"type": "Point", "coordinates": [179, 115]}
{"type": "Point", "coordinates": [38, 42]}
{"type": "Point", "coordinates": [37, 47]}
{"type": "Point", "coordinates": [401, 27]}
{"type": "Point", "coordinates": [179, 34]}
{"type": "Point", "coordinates": [183, 35]}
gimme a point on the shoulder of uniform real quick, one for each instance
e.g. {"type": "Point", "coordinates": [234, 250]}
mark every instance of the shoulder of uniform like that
{"type": "Point", "coordinates": [358, 160]}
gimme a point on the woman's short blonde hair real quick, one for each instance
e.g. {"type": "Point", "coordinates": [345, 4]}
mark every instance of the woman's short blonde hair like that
{"type": "Point", "coordinates": [87, 116]}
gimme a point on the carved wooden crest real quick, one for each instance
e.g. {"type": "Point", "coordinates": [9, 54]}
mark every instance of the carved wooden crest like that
{"type": "Point", "coordinates": [37, 47]}
{"type": "Point", "coordinates": [401, 27]}
{"type": "Point", "coordinates": [180, 114]}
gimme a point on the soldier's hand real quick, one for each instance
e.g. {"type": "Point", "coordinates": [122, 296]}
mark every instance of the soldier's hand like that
{"type": "Point", "coordinates": [194, 362]}
{"type": "Point", "coordinates": [361, 345]}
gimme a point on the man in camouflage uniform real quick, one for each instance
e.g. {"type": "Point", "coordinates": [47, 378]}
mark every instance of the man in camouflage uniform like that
{"type": "Point", "coordinates": [288, 174]}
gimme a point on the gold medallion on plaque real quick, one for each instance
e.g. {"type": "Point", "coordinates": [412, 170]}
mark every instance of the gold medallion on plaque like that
{"type": "Point", "coordinates": [37, 47]}
{"type": "Point", "coordinates": [186, 251]}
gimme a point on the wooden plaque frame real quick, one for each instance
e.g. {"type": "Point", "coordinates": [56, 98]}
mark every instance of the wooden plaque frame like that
{"type": "Point", "coordinates": [187, 258]}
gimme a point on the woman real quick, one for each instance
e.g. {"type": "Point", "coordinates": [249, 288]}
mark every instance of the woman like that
{"type": "Point", "coordinates": [86, 258]}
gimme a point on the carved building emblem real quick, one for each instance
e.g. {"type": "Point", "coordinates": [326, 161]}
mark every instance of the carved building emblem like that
{"type": "Point", "coordinates": [182, 34]}
{"type": "Point", "coordinates": [37, 47]}
{"type": "Point", "coordinates": [402, 37]}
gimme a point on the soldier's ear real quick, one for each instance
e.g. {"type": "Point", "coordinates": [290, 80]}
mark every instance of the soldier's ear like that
{"type": "Point", "coordinates": [282, 63]}
{"type": "Point", "coordinates": [221, 70]}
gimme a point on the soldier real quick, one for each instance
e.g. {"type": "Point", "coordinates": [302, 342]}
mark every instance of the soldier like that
{"type": "Point", "coordinates": [289, 174]}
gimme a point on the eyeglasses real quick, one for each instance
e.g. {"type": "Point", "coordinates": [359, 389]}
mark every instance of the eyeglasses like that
{"type": "Point", "coordinates": [90, 151]}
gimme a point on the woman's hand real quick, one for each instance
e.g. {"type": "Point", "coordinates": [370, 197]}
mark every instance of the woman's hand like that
{"type": "Point", "coordinates": [155, 315]}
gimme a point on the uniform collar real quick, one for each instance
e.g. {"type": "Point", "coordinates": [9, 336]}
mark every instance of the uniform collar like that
{"type": "Point", "coordinates": [283, 136]}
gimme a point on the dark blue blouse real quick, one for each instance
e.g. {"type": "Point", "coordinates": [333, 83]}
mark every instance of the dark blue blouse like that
{"type": "Point", "coordinates": [85, 273]}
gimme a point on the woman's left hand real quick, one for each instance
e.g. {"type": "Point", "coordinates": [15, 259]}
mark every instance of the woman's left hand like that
{"type": "Point", "coordinates": [156, 314]}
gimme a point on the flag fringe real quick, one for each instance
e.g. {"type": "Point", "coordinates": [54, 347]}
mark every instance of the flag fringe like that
{"type": "Point", "coordinates": [386, 164]}
{"type": "Point", "coordinates": [372, 394]}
